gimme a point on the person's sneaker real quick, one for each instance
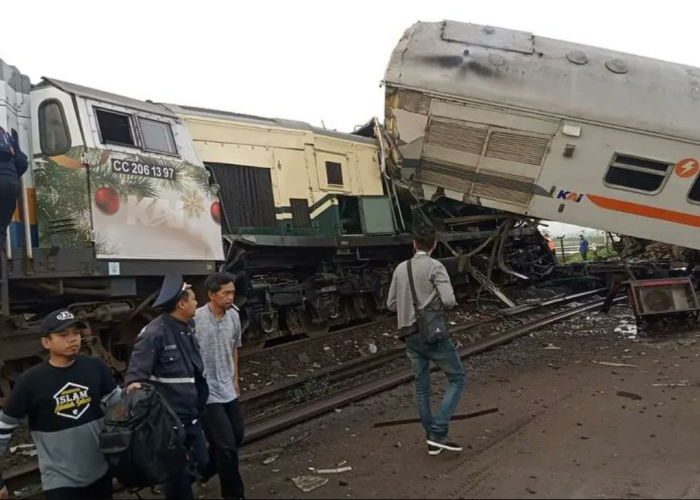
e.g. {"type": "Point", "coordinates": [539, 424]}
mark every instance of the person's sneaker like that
{"type": "Point", "coordinates": [434, 451]}
{"type": "Point", "coordinates": [444, 444]}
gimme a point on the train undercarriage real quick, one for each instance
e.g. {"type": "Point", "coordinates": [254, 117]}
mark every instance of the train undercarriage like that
{"type": "Point", "coordinates": [282, 292]}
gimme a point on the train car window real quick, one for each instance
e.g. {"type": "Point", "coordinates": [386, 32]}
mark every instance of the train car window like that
{"type": "Point", "coordinates": [637, 173]}
{"type": "Point", "coordinates": [694, 194]}
{"type": "Point", "coordinates": [115, 127]}
{"type": "Point", "coordinates": [54, 136]}
{"type": "Point", "coordinates": [334, 173]}
{"type": "Point", "coordinates": [157, 136]}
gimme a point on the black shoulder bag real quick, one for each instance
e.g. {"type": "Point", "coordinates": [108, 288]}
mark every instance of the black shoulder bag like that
{"type": "Point", "coordinates": [431, 323]}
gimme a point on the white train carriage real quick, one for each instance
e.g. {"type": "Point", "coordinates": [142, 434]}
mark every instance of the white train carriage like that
{"type": "Point", "coordinates": [549, 129]}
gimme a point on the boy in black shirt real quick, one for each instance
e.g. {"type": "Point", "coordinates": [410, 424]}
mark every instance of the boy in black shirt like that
{"type": "Point", "coordinates": [63, 399]}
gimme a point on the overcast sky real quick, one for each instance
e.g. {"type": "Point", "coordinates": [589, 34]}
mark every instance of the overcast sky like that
{"type": "Point", "coordinates": [314, 61]}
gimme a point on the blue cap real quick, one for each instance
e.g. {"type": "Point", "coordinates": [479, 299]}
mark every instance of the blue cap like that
{"type": "Point", "coordinates": [173, 286]}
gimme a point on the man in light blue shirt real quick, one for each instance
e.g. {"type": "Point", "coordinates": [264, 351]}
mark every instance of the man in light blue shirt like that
{"type": "Point", "coordinates": [218, 331]}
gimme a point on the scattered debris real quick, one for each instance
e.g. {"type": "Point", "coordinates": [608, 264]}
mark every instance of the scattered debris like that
{"type": "Point", "coordinates": [373, 348]}
{"type": "Point", "coordinates": [343, 484]}
{"type": "Point", "coordinates": [270, 459]}
{"type": "Point", "coordinates": [631, 395]}
{"type": "Point", "coordinates": [258, 454]}
{"type": "Point", "coordinates": [22, 447]}
{"type": "Point", "coordinates": [552, 347]}
{"type": "Point", "coordinates": [297, 440]}
{"type": "Point", "coordinates": [628, 330]}
{"type": "Point", "coordinates": [340, 470]}
{"type": "Point", "coordinates": [615, 365]}
{"type": "Point", "coordinates": [679, 384]}
{"type": "Point", "coordinates": [307, 484]}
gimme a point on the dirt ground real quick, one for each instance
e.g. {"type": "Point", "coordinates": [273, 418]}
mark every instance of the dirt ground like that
{"type": "Point", "coordinates": [562, 430]}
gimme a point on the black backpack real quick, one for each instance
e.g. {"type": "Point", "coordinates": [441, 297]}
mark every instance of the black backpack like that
{"type": "Point", "coordinates": [143, 440]}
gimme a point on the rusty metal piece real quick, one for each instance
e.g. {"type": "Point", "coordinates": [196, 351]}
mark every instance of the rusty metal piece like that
{"type": "Point", "coordinates": [407, 421]}
{"type": "Point", "coordinates": [630, 395]}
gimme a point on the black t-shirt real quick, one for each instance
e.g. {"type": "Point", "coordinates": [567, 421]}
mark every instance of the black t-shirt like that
{"type": "Point", "coordinates": [64, 408]}
{"type": "Point", "coordinates": [55, 399]}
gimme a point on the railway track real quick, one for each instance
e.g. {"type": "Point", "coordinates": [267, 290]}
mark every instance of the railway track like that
{"type": "Point", "coordinates": [332, 375]}
{"type": "Point", "coordinates": [263, 428]}
{"type": "Point", "coordinates": [264, 425]}
{"type": "Point", "coordinates": [259, 349]}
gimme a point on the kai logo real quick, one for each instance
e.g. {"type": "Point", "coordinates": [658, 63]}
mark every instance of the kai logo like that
{"type": "Point", "coordinates": [65, 315]}
{"type": "Point", "coordinates": [72, 401]}
{"type": "Point", "coordinates": [152, 212]}
{"type": "Point", "coordinates": [570, 196]}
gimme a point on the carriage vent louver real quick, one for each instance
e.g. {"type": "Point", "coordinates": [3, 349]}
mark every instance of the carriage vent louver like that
{"type": "Point", "coordinates": [510, 188]}
{"type": "Point", "coordinates": [446, 175]}
{"type": "Point", "coordinates": [517, 148]}
{"type": "Point", "coordinates": [491, 179]}
{"type": "Point", "coordinates": [457, 137]}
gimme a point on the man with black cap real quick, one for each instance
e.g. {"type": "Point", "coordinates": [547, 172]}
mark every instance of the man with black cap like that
{"type": "Point", "coordinates": [64, 399]}
{"type": "Point", "coordinates": [166, 355]}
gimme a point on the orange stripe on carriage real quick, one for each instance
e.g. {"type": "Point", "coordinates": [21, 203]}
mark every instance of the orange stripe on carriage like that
{"type": "Point", "coordinates": [645, 211]}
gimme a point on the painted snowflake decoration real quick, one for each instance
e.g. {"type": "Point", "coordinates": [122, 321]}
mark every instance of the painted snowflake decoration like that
{"type": "Point", "coordinates": [193, 203]}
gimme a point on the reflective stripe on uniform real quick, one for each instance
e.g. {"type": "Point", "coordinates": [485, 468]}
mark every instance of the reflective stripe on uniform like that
{"type": "Point", "coordinates": [175, 380]}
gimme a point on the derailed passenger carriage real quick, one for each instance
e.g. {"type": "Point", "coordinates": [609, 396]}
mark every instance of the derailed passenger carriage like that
{"type": "Point", "coordinates": [548, 129]}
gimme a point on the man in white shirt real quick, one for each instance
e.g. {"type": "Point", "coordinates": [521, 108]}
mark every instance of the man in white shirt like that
{"type": "Point", "coordinates": [218, 331]}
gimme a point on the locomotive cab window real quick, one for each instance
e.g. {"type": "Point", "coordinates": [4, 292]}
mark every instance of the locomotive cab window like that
{"type": "Point", "coordinates": [637, 173]}
{"type": "Point", "coordinates": [115, 128]}
{"type": "Point", "coordinates": [694, 194]}
{"type": "Point", "coordinates": [54, 136]}
{"type": "Point", "coordinates": [157, 136]}
{"type": "Point", "coordinates": [334, 173]}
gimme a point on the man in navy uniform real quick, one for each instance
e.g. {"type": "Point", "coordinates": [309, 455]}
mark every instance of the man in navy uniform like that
{"type": "Point", "coordinates": [13, 165]}
{"type": "Point", "coordinates": [167, 356]}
